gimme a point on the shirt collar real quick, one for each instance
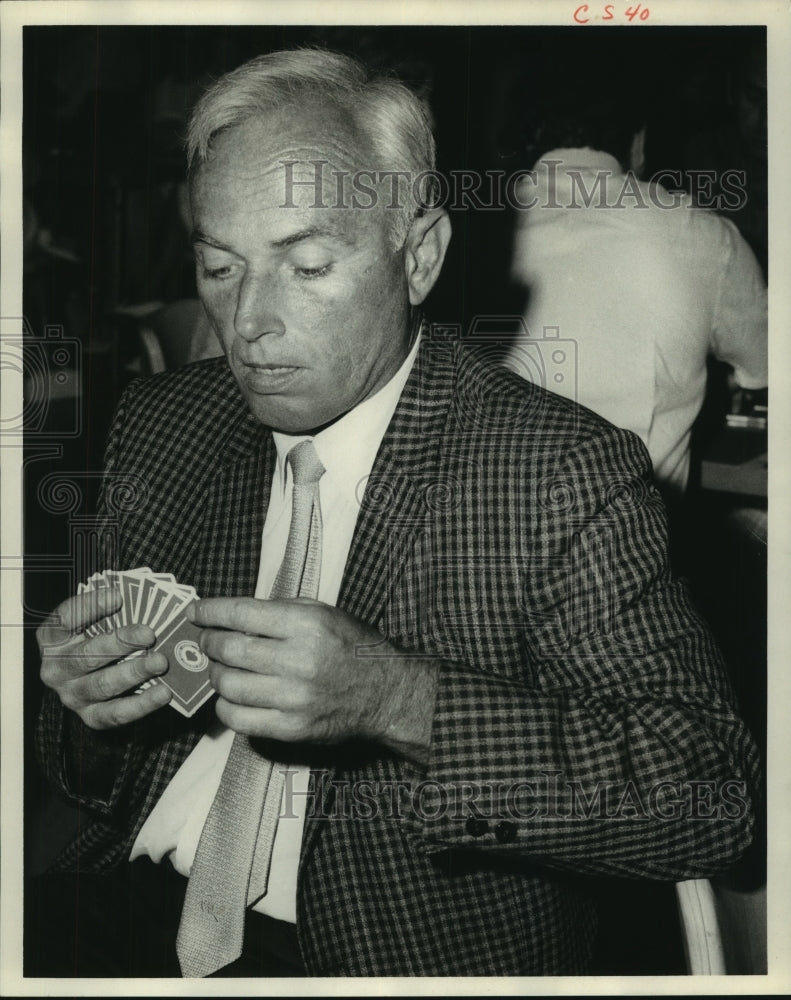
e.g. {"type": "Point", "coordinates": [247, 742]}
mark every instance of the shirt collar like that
{"type": "Point", "coordinates": [584, 157]}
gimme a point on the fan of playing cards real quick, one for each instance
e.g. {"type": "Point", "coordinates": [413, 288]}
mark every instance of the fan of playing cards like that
{"type": "Point", "coordinates": [157, 600]}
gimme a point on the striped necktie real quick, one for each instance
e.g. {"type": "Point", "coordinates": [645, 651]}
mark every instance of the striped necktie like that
{"type": "Point", "coordinates": [231, 867]}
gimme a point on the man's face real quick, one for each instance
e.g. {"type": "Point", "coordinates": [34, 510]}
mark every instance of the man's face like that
{"type": "Point", "coordinates": [310, 303]}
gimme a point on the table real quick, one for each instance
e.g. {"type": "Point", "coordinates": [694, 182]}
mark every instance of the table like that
{"type": "Point", "coordinates": [736, 462]}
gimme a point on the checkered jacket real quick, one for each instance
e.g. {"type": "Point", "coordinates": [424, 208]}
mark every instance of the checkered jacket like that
{"type": "Point", "coordinates": [583, 724]}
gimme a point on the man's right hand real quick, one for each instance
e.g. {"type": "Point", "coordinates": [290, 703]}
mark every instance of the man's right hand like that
{"type": "Point", "coordinates": [86, 673]}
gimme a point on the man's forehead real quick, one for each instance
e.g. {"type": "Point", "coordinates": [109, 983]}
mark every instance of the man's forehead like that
{"type": "Point", "coordinates": [294, 204]}
{"type": "Point", "coordinates": [303, 167]}
{"type": "Point", "coordinates": [300, 135]}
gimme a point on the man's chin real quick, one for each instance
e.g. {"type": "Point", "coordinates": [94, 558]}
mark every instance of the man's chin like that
{"type": "Point", "coordinates": [270, 413]}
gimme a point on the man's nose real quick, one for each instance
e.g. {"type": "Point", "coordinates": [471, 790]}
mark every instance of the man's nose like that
{"type": "Point", "coordinates": [257, 311]}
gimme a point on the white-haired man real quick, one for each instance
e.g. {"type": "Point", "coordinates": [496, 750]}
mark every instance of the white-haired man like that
{"type": "Point", "coordinates": [490, 638]}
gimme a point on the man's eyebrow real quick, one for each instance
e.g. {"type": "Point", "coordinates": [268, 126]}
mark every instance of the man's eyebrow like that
{"type": "Point", "coordinates": [307, 234]}
{"type": "Point", "coordinates": [198, 236]}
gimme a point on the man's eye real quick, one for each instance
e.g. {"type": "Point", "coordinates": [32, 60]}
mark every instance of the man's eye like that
{"type": "Point", "coordinates": [308, 273]}
{"type": "Point", "coordinates": [217, 272]}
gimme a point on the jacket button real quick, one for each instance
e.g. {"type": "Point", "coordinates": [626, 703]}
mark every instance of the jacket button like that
{"type": "Point", "coordinates": [505, 832]}
{"type": "Point", "coordinates": [476, 827]}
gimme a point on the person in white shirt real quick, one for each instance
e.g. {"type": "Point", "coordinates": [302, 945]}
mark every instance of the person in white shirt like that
{"type": "Point", "coordinates": [644, 284]}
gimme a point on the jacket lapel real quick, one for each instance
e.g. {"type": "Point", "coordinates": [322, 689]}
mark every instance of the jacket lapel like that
{"type": "Point", "coordinates": [235, 509]}
{"type": "Point", "coordinates": [395, 506]}
{"type": "Point", "coordinates": [397, 500]}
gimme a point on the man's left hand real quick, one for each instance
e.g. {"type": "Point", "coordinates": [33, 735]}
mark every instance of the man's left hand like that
{"type": "Point", "coordinates": [296, 671]}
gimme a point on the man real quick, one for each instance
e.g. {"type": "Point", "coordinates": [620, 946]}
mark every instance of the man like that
{"type": "Point", "coordinates": [499, 691]}
{"type": "Point", "coordinates": [645, 283]}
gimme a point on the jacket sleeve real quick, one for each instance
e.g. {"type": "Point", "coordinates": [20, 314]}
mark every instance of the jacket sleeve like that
{"type": "Point", "coordinates": [619, 750]}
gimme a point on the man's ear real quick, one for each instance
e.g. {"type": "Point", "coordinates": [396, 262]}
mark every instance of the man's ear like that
{"type": "Point", "coordinates": [425, 251]}
{"type": "Point", "coordinates": [637, 153]}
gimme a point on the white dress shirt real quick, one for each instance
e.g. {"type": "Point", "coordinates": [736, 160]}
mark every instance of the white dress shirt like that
{"type": "Point", "coordinates": [347, 450]}
{"type": "Point", "coordinates": [628, 296]}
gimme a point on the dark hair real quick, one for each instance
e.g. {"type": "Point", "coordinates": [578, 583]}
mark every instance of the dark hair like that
{"type": "Point", "coordinates": [597, 124]}
{"type": "Point", "coordinates": [572, 97]}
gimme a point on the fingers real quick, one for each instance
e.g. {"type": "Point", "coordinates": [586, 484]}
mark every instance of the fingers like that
{"type": "Point", "coordinates": [111, 682]}
{"type": "Point", "coordinates": [94, 677]}
{"type": "Point", "coordinates": [276, 619]}
{"type": "Point", "coordinates": [70, 660]}
{"type": "Point", "coordinates": [97, 676]}
{"type": "Point", "coordinates": [268, 723]}
{"type": "Point", "coordinates": [77, 613]}
{"type": "Point", "coordinates": [241, 687]}
{"type": "Point", "coordinates": [122, 711]}
{"type": "Point", "coordinates": [285, 670]}
{"type": "Point", "coordinates": [250, 652]}
{"type": "Point", "coordinates": [102, 649]}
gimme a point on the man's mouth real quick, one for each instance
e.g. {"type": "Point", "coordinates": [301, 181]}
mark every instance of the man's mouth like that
{"type": "Point", "coordinates": [271, 369]}
{"type": "Point", "coordinates": [265, 378]}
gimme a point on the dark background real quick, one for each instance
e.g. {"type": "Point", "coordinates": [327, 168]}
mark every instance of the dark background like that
{"type": "Point", "coordinates": [104, 113]}
{"type": "Point", "coordinates": [105, 108]}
